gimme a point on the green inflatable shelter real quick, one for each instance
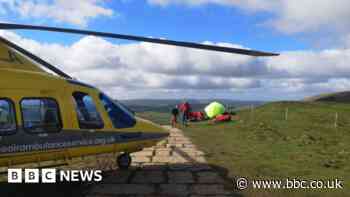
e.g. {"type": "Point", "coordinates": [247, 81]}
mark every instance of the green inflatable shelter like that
{"type": "Point", "coordinates": [214, 109]}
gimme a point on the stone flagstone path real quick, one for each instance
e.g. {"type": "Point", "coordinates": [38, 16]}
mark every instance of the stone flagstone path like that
{"type": "Point", "coordinates": [173, 168]}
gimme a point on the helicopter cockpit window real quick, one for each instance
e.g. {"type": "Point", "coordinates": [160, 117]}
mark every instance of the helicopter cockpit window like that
{"type": "Point", "coordinates": [88, 116]}
{"type": "Point", "coordinates": [120, 115]}
{"type": "Point", "coordinates": [40, 115]}
{"type": "Point", "coordinates": [7, 117]}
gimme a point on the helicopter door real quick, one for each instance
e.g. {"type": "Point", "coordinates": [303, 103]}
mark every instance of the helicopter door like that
{"type": "Point", "coordinates": [88, 116]}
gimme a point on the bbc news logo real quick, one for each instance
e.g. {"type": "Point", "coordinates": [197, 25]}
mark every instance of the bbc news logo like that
{"type": "Point", "coordinates": [51, 175]}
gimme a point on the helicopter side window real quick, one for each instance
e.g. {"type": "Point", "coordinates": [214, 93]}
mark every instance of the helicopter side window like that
{"type": "Point", "coordinates": [119, 114]}
{"type": "Point", "coordinates": [7, 117]}
{"type": "Point", "coordinates": [87, 113]}
{"type": "Point", "coordinates": [40, 115]}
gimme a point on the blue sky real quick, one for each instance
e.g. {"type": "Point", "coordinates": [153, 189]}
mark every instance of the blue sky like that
{"type": "Point", "coordinates": [212, 22]}
{"type": "Point", "coordinates": [314, 46]}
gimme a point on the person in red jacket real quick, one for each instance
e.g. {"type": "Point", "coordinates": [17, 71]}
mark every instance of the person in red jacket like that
{"type": "Point", "coordinates": [185, 108]}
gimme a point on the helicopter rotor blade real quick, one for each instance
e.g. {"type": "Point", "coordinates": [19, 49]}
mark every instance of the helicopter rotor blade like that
{"type": "Point", "coordinates": [140, 38]}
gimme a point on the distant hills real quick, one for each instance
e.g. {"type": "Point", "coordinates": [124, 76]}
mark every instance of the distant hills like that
{"type": "Point", "coordinates": [340, 97]}
{"type": "Point", "coordinates": [165, 105]}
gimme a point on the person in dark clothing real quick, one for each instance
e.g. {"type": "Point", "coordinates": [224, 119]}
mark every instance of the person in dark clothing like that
{"type": "Point", "coordinates": [174, 114]}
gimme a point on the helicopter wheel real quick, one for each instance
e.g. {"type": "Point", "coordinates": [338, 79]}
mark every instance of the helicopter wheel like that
{"type": "Point", "coordinates": [124, 161]}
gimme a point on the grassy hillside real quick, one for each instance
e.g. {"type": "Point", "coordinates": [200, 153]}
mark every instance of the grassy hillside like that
{"type": "Point", "coordinates": [263, 144]}
{"type": "Point", "coordinates": [165, 105]}
{"type": "Point", "coordinates": [341, 97]}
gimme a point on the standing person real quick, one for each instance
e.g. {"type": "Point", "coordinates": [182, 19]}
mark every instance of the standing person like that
{"type": "Point", "coordinates": [174, 114]}
{"type": "Point", "coordinates": [185, 109]}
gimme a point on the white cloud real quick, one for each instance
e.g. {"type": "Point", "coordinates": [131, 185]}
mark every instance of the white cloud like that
{"type": "Point", "coordinates": [312, 15]}
{"type": "Point", "coordinates": [289, 16]}
{"type": "Point", "coordinates": [136, 66]}
{"type": "Point", "coordinates": [142, 67]}
{"type": "Point", "coordinates": [311, 64]}
{"type": "Point", "coordinates": [77, 12]}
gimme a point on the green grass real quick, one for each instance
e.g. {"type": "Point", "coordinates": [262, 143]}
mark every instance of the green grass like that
{"type": "Point", "coordinates": [263, 145]}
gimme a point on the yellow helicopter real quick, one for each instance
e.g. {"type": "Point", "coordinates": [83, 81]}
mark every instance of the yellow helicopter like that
{"type": "Point", "coordinates": [46, 116]}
